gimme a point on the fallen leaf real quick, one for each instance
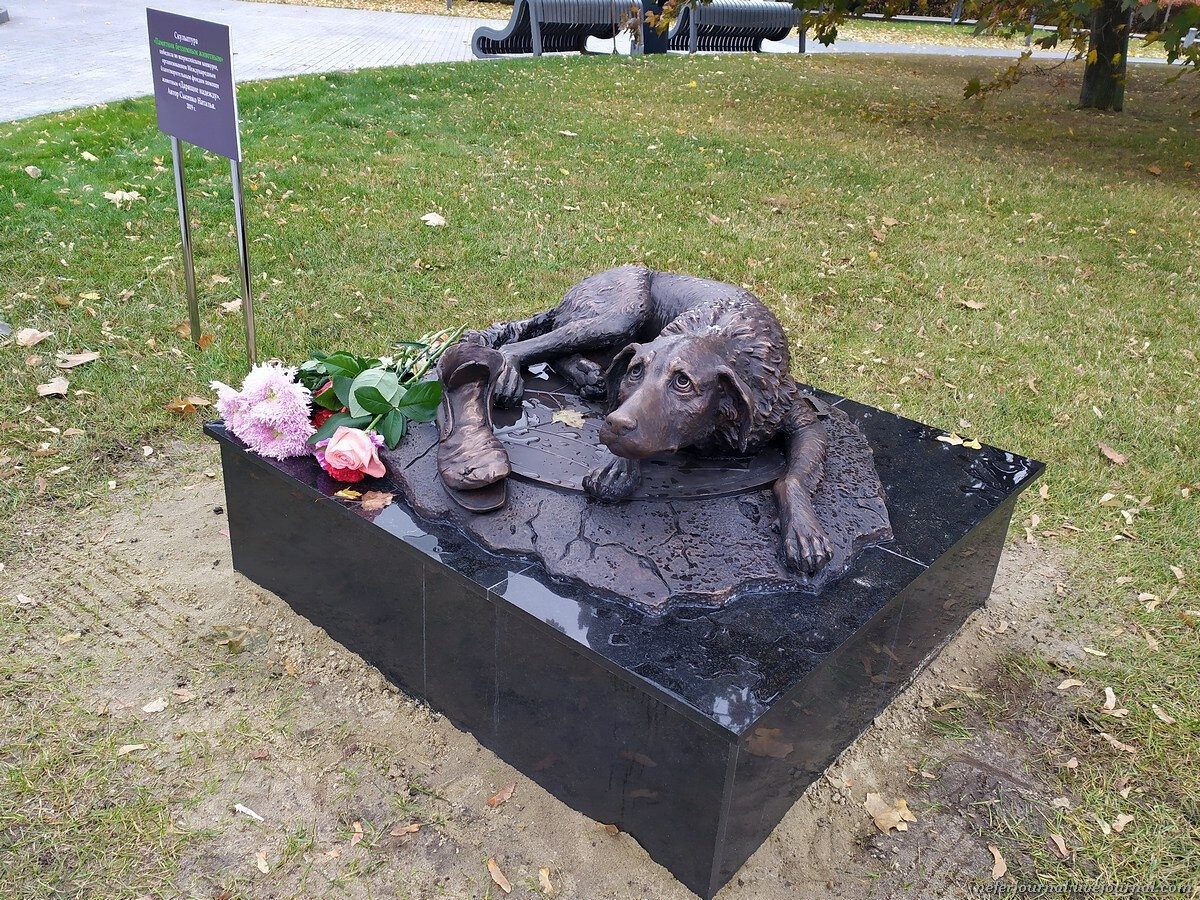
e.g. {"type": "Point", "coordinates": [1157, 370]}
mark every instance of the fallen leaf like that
{"type": "Point", "coordinates": [156, 706]}
{"type": "Point", "coordinates": [402, 830]}
{"type": "Point", "coordinates": [348, 494]}
{"type": "Point", "coordinates": [260, 860]}
{"type": "Point", "coordinates": [999, 866]}
{"type": "Point", "coordinates": [232, 306]}
{"type": "Point", "coordinates": [1091, 651]}
{"type": "Point", "coordinates": [33, 171]}
{"type": "Point", "coordinates": [612, 830]}
{"type": "Point", "coordinates": [205, 341]}
{"type": "Point", "coordinates": [69, 638]}
{"type": "Point", "coordinates": [126, 749]}
{"type": "Point", "coordinates": [147, 451]}
{"type": "Point", "coordinates": [334, 852]}
{"type": "Point", "coordinates": [973, 444]}
{"type": "Point", "coordinates": [71, 360]}
{"type": "Point", "coordinates": [433, 220]}
{"type": "Point", "coordinates": [1110, 699]}
{"type": "Point", "coordinates": [1072, 763]}
{"type": "Point", "coordinates": [1061, 803]}
{"type": "Point", "coordinates": [498, 876]}
{"type": "Point", "coordinates": [544, 881]}
{"type": "Point", "coordinates": [1162, 716]}
{"type": "Point", "coordinates": [972, 304]}
{"type": "Point", "coordinates": [1154, 170]}
{"type": "Point", "coordinates": [122, 199]}
{"type": "Point", "coordinates": [1117, 745]}
{"type": "Point", "coordinates": [55, 387]}
{"type": "Point", "coordinates": [1105, 828]}
{"type": "Point", "coordinates": [90, 157]}
{"type": "Point", "coordinates": [889, 221]}
{"type": "Point", "coordinates": [357, 837]}
{"type": "Point", "coordinates": [1068, 683]}
{"type": "Point", "coordinates": [1060, 846]}
{"type": "Point", "coordinates": [27, 337]}
{"type": "Point", "coordinates": [32, 361]}
{"type": "Point", "coordinates": [1112, 455]}
{"type": "Point", "coordinates": [952, 439]}
{"type": "Point", "coordinates": [888, 816]}
{"type": "Point", "coordinates": [565, 133]}
{"type": "Point", "coordinates": [569, 417]}
{"type": "Point", "coordinates": [373, 501]}
{"type": "Point", "coordinates": [186, 405]}
{"type": "Point", "coordinates": [502, 795]}
{"type": "Point", "coordinates": [220, 279]}
{"type": "Point", "coordinates": [1177, 572]}
{"type": "Point", "coordinates": [1121, 821]}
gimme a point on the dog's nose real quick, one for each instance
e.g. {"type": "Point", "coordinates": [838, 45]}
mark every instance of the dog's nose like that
{"type": "Point", "coordinates": [619, 423]}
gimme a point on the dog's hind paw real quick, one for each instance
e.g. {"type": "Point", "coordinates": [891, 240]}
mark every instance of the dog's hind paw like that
{"type": "Point", "coordinates": [615, 480]}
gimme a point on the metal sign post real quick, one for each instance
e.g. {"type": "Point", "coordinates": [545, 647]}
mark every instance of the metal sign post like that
{"type": "Point", "coordinates": [196, 101]}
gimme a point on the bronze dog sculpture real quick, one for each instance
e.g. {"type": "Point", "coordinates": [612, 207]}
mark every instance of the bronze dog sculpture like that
{"type": "Point", "coordinates": [701, 364]}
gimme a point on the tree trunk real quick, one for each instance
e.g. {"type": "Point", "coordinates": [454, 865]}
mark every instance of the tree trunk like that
{"type": "Point", "coordinates": [1108, 46]}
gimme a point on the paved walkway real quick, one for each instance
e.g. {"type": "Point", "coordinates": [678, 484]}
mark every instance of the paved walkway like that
{"type": "Point", "coordinates": [59, 54]}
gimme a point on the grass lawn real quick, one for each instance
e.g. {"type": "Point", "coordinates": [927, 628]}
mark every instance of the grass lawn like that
{"type": "Point", "coordinates": [1020, 272]}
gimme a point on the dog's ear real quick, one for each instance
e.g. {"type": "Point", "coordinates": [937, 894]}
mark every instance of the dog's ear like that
{"type": "Point", "coordinates": [736, 404]}
{"type": "Point", "coordinates": [616, 371]}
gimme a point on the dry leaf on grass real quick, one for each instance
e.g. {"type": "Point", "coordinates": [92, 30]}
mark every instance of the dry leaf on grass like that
{"type": "Point", "coordinates": [1110, 699]}
{"type": "Point", "coordinates": [55, 387]}
{"type": "Point", "coordinates": [502, 795]}
{"type": "Point", "coordinates": [260, 860]}
{"type": "Point", "coordinates": [71, 360]}
{"type": "Point", "coordinates": [1068, 683]}
{"type": "Point", "coordinates": [888, 816]}
{"type": "Point", "coordinates": [972, 304]}
{"type": "Point", "coordinates": [498, 876]}
{"type": "Point", "coordinates": [156, 706]}
{"type": "Point", "coordinates": [402, 830]}
{"type": "Point", "coordinates": [1120, 822]}
{"type": "Point", "coordinates": [373, 501]}
{"type": "Point", "coordinates": [232, 306]}
{"type": "Point", "coordinates": [186, 405]}
{"type": "Point", "coordinates": [433, 220]}
{"type": "Point", "coordinates": [569, 417]}
{"type": "Point", "coordinates": [357, 837]}
{"type": "Point", "coordinates": [1117, 745]}
{"type": "Point", "coordinates": [1092, 651]}
{"type": "Point", "coordinates": [126, 749]}
{"type": "Point", "coordinates": [999, 866]}
{"type": "Point", "coordinates": [33, 171]}
{"type": "Point", "coordinates": [1177, 572]}
{"type": "Point", "coordinates": [1060, 846]}
{"type": "Point", "coordinates": [27, 337]}
{"type": "Point", "coordinates": [1162, 716]}
{"type": "Point", "coordinates": [544, 881]}
{"type": "Point", "coordinates": [1112, 455]}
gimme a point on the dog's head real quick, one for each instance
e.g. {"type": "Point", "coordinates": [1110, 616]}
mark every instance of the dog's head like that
{"type": "Point", "coordinates": [674, 392]}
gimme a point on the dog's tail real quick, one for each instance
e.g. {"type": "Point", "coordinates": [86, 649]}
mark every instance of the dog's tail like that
{"type": "Point", "coordinates": [501, 333]}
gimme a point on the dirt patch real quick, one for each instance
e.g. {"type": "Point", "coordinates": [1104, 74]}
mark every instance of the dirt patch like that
{"type": "Point", "coordinates": [265, 716]}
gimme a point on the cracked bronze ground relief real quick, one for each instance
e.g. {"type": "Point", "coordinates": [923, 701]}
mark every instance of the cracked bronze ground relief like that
{"type": "Point", "coordinates": [706, 473]}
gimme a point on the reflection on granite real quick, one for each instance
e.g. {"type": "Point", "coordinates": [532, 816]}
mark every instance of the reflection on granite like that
{"type": "Point", "coordinates": [693, 730]}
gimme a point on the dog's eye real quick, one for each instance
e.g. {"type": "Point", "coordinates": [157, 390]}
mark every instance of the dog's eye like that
{"type": "Point", "coordinates": [681, 382]}
{"type": "Point", "coordinates": [634, 371]}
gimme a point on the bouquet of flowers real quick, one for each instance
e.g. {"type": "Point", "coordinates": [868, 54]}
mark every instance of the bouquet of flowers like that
{"type": "Point", "coordinates": [339, 407]}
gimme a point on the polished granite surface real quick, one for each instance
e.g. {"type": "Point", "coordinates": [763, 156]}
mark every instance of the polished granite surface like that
{"type": "Point", "coordinates": [694, 730]}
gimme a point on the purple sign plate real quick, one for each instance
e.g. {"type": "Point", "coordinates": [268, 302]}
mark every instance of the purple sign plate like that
{"type": "Point", "coordinates": [193, 82]}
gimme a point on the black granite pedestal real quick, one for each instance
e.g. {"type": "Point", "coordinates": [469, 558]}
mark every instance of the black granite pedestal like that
{"type": "Point", "coordinates": [694, 730]}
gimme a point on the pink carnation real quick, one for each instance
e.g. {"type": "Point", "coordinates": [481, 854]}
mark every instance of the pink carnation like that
{"type": "Point", "coordinates": [270, 414]}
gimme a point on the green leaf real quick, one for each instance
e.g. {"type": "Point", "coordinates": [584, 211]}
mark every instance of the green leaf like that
{"type": "Point", "coordinates": [341, 388]}
{"type": "Point", "coordinates": [420, 402]}
{"type": "Point", "coordinates": [384, 381]}
{"type": "Point", "coordinates": [373, 402]}
{"type": "Point", "coordinates": [392, 427]}
{"type": "Point", "coordinates": [327, 400]}
{"type": "Point", "coordinates": [336, 421]}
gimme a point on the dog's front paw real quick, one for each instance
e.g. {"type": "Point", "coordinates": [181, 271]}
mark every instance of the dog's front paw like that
{"type": "Point", "coordinates": [586, 375]}
{"type": "Point", "coordinates": [806, 545]}
{"type": "Point", "coordinates": [510, 386]}
{"type": "Point", "coordinates": [615, 480]}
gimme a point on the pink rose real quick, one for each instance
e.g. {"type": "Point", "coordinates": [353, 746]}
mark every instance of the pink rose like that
{"type": "Point", "coordinates": [350, 454]}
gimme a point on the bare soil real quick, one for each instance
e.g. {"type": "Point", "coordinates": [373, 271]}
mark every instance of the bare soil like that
{"type": "Point", "coordinates": [265, 712]}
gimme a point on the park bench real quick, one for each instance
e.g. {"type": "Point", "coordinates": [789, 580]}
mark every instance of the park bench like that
{"type": "Point", "coordinates": [733, 25]}
{"type": "Point", "coordinates": [550, 26]}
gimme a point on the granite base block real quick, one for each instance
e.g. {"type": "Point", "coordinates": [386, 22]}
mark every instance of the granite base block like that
{"type": "Point", "coordinates": [695, 730]}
